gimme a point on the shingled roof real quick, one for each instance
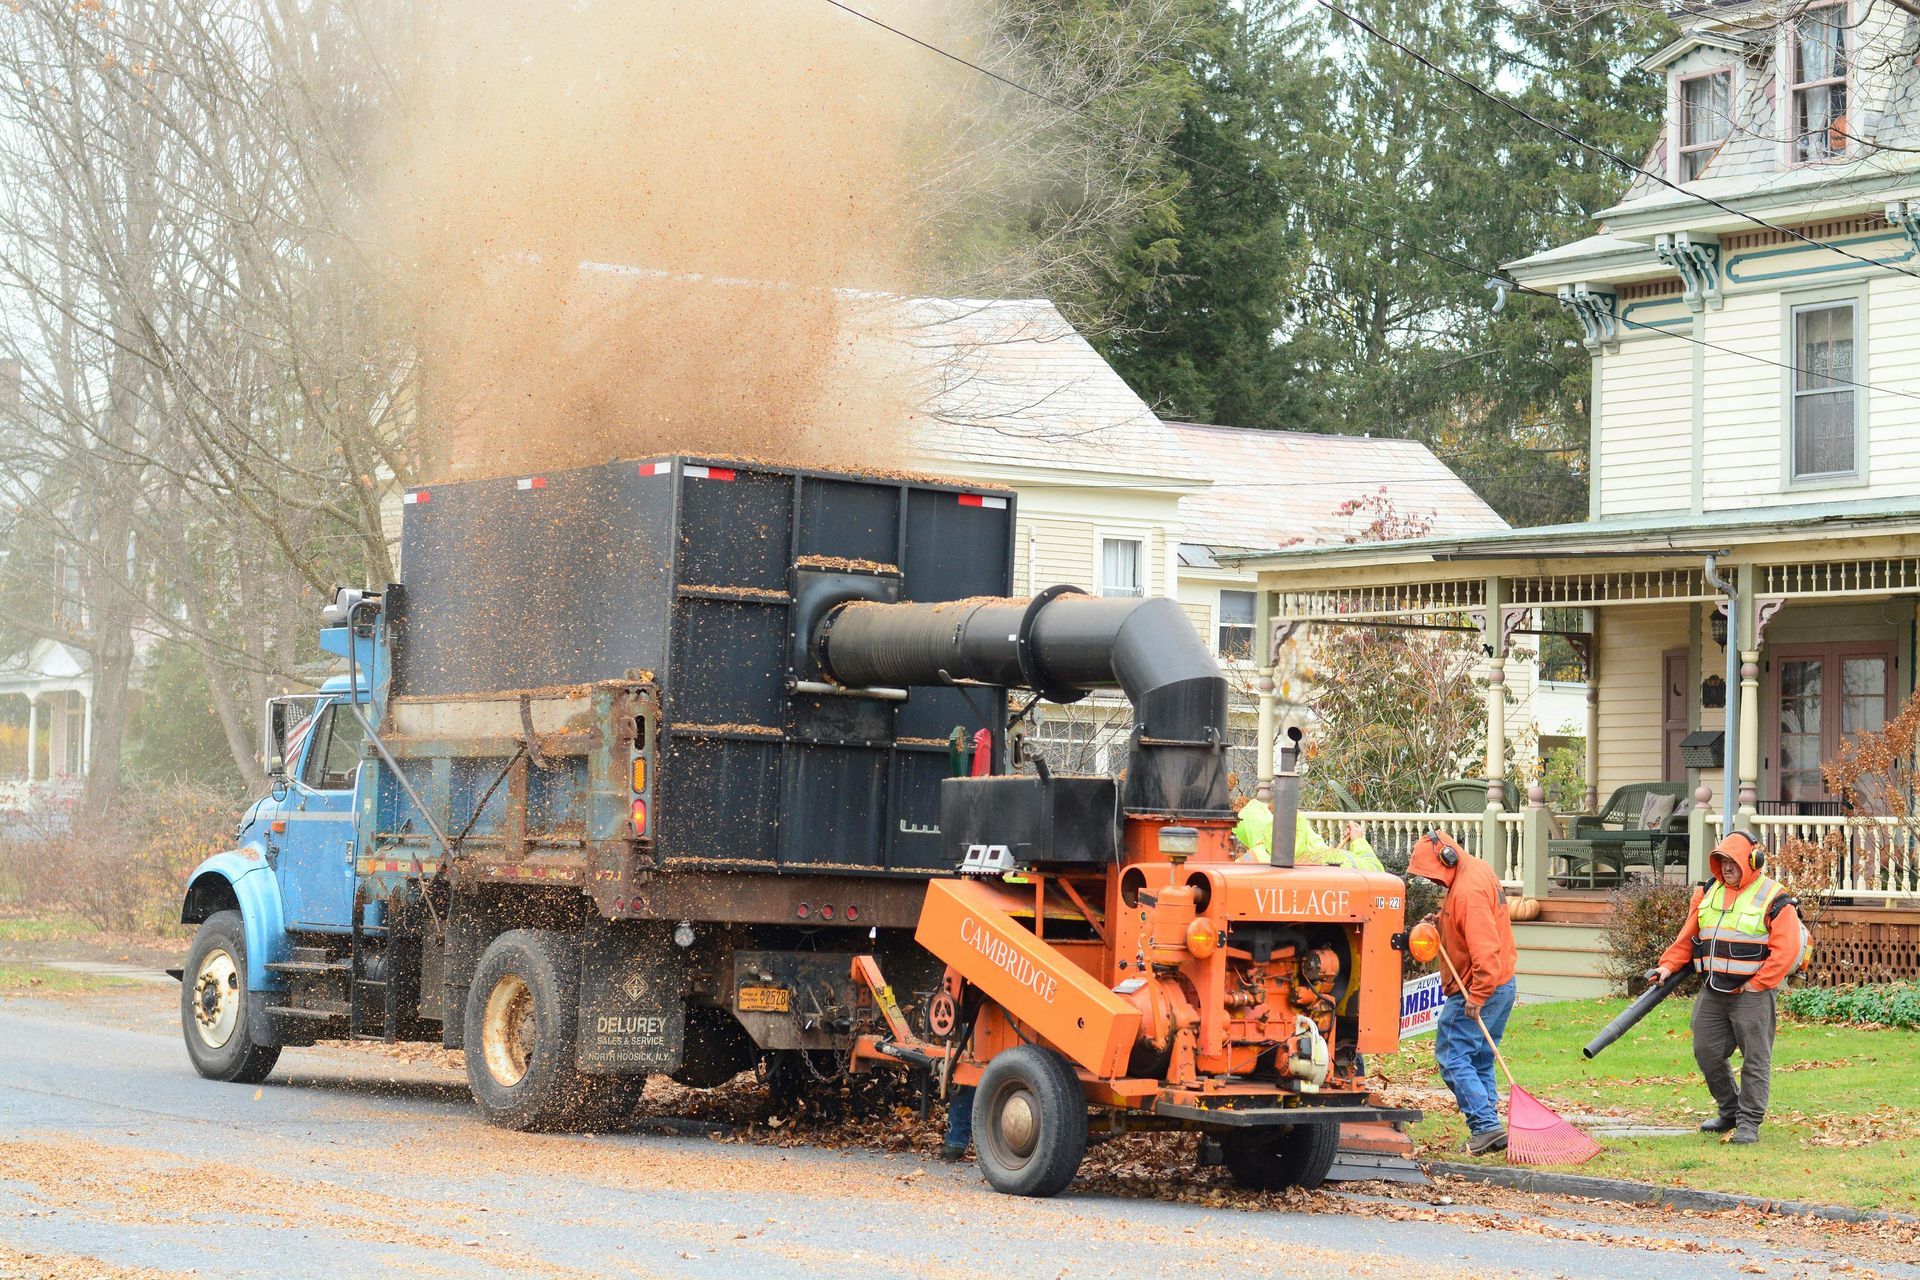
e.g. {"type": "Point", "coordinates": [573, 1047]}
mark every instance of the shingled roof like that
{"type": "Point", "coordinates": [1284, 488]}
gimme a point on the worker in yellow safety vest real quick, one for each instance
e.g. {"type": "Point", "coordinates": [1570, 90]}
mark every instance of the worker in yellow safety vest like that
{"type": "Point", "coordinates": [1255, 832]}
{"type": "Point", "coordinates": [1743, 931]}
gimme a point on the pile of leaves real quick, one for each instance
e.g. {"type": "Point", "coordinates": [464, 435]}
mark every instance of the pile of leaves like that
{"type": "Point", "coordinates": [1887, 1004]}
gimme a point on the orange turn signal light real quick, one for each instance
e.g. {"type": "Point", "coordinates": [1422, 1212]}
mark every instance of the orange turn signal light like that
{"type": "Point", "coordinates": [639, 817]}
{"type": "Point", "coordinates": [1202, 938]}
{"type": "Point", "coordinates": [1423, 942]}
{"type": "Point", "coordinates": [639, 773]}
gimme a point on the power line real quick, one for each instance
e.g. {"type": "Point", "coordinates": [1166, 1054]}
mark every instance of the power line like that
{"type": "Point", "coordinates": [1595, 148]}
{"type": "Point", "coordinates": [1459, 264]}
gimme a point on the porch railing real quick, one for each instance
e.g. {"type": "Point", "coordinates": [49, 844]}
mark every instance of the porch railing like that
{"type": "Point", "coordinates": [1392, 835]}
{"type": "Point", "coordinates": [1875, 859]}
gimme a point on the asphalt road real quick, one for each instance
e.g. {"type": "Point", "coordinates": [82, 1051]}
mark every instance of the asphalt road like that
{"type": "Point", "coordinates": [115, 1158]}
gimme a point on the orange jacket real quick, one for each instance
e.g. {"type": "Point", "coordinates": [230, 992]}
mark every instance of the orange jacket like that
{"type": "Point", "coordinates": [1783, 931]}
{"type": "Point", "coordinates": [1474, 929]}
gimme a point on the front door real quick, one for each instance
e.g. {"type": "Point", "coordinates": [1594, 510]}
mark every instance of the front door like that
{"type": "Point", "coordinates": [315, 861]}
{"type": "Point", "coordinates": [1821, 695]}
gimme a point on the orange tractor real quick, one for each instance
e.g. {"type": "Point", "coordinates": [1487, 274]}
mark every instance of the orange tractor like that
{"type": "Point", "coordinates": [1104, 950]}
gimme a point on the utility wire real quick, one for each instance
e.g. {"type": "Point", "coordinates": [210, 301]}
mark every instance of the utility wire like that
{"type": "Point", "coordinates": [1595, 148]}
{"type": "Point", "coordinates": [1461, 265]}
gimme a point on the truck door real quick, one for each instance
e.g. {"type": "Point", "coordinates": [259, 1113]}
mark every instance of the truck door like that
{"type": "Point", "coordinates": [316, 849]}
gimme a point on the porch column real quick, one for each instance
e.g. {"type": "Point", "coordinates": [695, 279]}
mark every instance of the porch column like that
{"type": "Point", "coordinates": [1534, 834]}
{"type": "Point", "coordinates": [1591, 621]}
{"type": "Point", "coordinates": [1749, 698]}
{"type": "Point", "coordinates": [1263, 767]}
{"type": "Point", "coordinates": [1493, 631]}
{"type": "Point", "coordinates": [1267, 696]}
{"type": "Point", "coordinates": [33, 731]}
{"type": "Point", "coordinates": [1698, 845]}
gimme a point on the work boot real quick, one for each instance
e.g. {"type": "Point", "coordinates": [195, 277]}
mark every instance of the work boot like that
{"type": "Point", "coordinates": [1719, 1124]}
{"type": "Point", "coordinates": [950, 1152]}
{"type": "Point", "coordinates": [1487, 1141]}
{"type": "Point", "coordinates": [1745, 1134]}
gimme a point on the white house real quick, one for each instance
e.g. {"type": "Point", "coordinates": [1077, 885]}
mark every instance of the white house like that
{"type": "Point", "coordinates": [1754, 323]}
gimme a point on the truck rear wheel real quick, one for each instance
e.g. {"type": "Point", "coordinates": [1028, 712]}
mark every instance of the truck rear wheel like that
{"type": "Point", "coordinates": [213, 1005]}
{"type": "Point", "coordinates": [1029, 1122]}
{"type": "Point", "coordinates": [1297, 1156]}
{"type": "Point", "coordinates": [522, 1029]}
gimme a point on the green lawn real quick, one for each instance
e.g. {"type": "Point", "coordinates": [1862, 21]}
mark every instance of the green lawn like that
{"type": "Point", "coordinates": [1844, 1126]}
{"type": "Point", "coordinates": [22, 977]}
{"type": "Point", "coordinates": [42, 928]}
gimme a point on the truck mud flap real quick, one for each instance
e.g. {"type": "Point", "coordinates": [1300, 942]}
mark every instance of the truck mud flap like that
{"type": "Point", "coordinates": [633, 1010]}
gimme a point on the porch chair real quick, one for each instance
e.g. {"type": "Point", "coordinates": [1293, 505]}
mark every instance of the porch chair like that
{"type": "Point", "coordinates": [1603, 845]}
{"type": "Point", "coordinates": [1469, 795]}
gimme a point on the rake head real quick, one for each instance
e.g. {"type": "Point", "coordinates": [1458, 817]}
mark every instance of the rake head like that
{"type": "Point", "coordinates": [1535, 1135]}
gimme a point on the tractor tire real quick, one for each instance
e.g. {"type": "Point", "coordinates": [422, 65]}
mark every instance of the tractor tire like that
{"type": "Point", "coordinates": [213, 1005]}
{"type": "Point", "coordinates": [1029, 1122]}
{"type": "Point", "coordinates": [1297, 1156]}
{"type": "Point", "coordinates": [522, 1034]}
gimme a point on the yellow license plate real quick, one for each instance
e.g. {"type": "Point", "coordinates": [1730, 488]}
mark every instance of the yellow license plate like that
{"type": "Point", "coordinates": [765, 1000]}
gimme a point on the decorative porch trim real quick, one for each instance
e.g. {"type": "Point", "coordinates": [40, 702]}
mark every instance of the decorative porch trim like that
{"type": "Point", "coordinates": [1697, 259]}
{"type": "Point", "coordinates": [1460, 595]}
{"type": "Point", "coordinates": [1630, 586]}
{"type": "Point", "coordinates": [1879, 575]}
{"type": "Point", "coordinates": [1596, 312]}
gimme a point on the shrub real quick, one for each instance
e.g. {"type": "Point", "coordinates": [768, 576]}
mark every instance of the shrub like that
{"type": "Point", "coordinates": [1646, 915]}
{"type": "Point", "coordinates": [126, 871]}
{"type": "Point", "coordinates": [1891, 1004]}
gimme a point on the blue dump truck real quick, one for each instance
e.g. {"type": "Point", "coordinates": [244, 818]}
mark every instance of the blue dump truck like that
{"type": "Point", "coordinates": [585, 800]}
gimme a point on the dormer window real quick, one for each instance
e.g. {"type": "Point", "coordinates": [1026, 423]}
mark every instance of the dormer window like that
{"type": "Point", "coordinates": [1705, 120]}
{"type": "Point", "coordinates": [1818, 92]}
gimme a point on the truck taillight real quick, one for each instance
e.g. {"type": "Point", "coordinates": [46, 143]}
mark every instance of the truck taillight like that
{"type": "Point", "coordinates": [639, 774]}
{"type": "Point", "coordinates": [639, 817]}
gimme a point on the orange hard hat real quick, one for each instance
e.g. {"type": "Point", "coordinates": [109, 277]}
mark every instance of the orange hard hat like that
{"type": "Point", "coordinates": [1423, 942]}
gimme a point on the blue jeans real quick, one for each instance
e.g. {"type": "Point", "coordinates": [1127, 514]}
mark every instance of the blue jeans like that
{"type": "Point", "coordinates": [1465, 1058]}
{"type": "Point", "coordinates": [959, 1116]}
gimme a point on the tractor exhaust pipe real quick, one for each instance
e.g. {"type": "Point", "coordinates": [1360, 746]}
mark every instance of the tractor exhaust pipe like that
{"type": "Point", "coordinates": [1062, 644]}
{"type": "Point", "coordinates": [1286, 800]}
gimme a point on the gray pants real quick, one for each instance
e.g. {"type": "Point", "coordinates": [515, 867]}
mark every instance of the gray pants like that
{"type": "Point", "coordinates": [1723, 1022]}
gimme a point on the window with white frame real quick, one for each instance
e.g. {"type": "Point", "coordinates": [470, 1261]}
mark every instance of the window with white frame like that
{"type": "Point", "coordinates": [1817, 69]}
{"type": "Point", "coordinates": [1826, 399]}
{"type": "Point", "coordinates": [1234, 631]}
{"type": "Point", "coordinates": [1120, 566]}
{"type": "Point", "coordinates": [1706, 117]}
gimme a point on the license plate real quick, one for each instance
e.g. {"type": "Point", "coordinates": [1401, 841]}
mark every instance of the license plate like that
{"type": "Point", "coordinates": [765, 1000]}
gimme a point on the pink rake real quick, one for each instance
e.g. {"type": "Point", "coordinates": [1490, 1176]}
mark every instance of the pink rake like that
{"type": "Point", "coordinates": [1535, 1135]}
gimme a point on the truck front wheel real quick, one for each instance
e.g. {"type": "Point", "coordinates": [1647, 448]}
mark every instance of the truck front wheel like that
{"type": "Point", "coordinates": [522, 1027]}
{"type": "Point", "coordinates": [213, 1005]}
{"type": "Point", "coordinates": [1298, 1156]}
{"type": "Point", "coordinates": [1029, 1122]}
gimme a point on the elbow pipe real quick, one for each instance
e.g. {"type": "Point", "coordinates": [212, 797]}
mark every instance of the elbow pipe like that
{"type": "Point", "coordinates": [1062, 644]}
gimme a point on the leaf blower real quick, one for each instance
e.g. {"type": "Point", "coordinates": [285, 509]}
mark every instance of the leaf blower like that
{"type": "Point", "coordinates": [1634, 1012]}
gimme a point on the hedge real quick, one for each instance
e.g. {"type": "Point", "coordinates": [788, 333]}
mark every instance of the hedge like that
{"type": "Point", "coordinates": [1891, 1004]}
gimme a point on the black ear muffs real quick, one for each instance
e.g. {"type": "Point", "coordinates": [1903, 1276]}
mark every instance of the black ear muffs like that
{"type": "Point", "coordinates": [1449, 857]}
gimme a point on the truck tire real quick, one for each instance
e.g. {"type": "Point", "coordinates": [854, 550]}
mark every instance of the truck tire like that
{"type": "Point", "coordinates": [1297, 1156]}
{"type": "Point", "coordinates": [213, 1005]}
{"type": "Point", "coordinates": [522, 1032]}
{"type": "Point", "coordinates": [1029, 1122]}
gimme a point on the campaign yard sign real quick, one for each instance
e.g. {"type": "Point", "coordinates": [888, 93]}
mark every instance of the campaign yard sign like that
{"type": "Point", "coordinates": [1420, 1002]}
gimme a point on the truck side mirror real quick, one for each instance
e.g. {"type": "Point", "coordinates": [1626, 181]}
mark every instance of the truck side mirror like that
{"type": "Point", "coordinates": [273, 746]}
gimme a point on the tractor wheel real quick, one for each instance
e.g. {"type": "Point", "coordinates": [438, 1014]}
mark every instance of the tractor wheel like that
{"type": "Point", "coordinates": [1297, 1156]}
{"type": "Point", "coordinates": [213, 1005]}
{"type": "Point", "coordinates": [522, 1027]}
{"type": "Point", "coordinates": [1029, 1122]}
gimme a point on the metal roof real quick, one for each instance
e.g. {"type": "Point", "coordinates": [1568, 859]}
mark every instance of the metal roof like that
{"type": "Point", "coordinates": [1277, 488]}
{"type": "Point", "coordinates": [1713, 531]}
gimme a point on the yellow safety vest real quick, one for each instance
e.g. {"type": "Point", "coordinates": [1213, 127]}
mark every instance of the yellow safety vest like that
{"type": "Point", "coordinates": [1733, 934]}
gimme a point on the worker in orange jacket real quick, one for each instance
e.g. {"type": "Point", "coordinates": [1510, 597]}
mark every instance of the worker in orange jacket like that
{"type": "Point", "coordinates": [1478, 939]}
{"type": "Point", "coordinates": [1743, 932]}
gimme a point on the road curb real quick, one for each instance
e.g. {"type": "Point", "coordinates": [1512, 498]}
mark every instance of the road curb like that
{"type": "Point", "coordinates": [1647, 1193]}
